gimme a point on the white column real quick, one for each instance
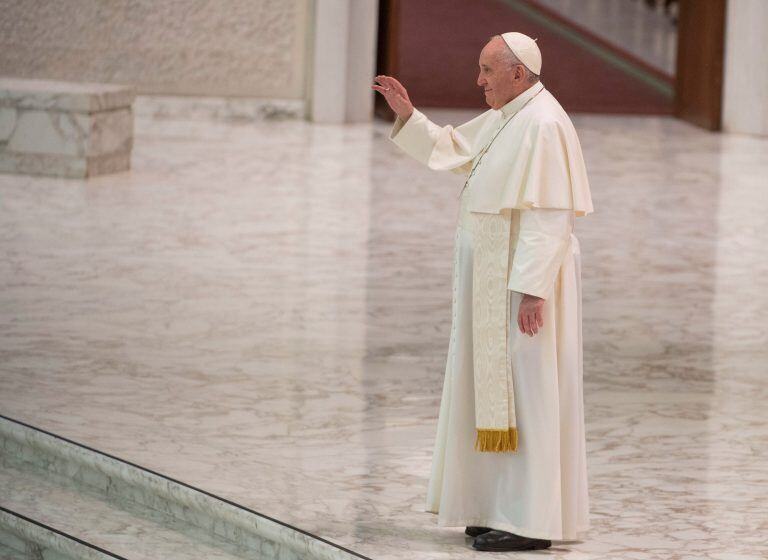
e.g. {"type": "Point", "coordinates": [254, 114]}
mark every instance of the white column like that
{"type": "Point", "coordinates": [343, 61]}
{"type": "Point", "coordinates": [361, 59]}
{"type": "Point", "coordinates": [745, 89]}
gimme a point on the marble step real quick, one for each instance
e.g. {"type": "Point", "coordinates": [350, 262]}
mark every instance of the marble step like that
{"type": "Point", "coordinates": [122, 529]}
{"type": "Point", "coordinates": [122, 494]}
{"type": "Point", "coordinates": [23, 539]}
{"type": "Point", "coordinates": [7, 553]}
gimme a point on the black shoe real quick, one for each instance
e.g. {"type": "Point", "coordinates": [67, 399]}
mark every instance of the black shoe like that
{"type": "Point", "coordinates": [503, 541]}
{"type": "Point", "coordinates": [473, 531]}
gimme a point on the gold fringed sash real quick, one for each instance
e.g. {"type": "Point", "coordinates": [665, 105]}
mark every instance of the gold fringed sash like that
{"type": "Point", "coordinates": [494, 393]}
{"type": "Point", "coordinates": [496, 440]}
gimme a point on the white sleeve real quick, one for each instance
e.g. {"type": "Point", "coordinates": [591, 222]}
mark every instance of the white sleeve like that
{"type": "Point", "coordinates": [543, 239]}
{"type": "Point", "coordinates": [440, 148]}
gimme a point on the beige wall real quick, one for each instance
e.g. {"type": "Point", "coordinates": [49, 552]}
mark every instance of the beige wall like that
{"type": "Point", "coordinates": [232, 48]}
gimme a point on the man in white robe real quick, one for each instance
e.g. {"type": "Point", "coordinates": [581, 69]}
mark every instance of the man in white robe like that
{"type": "Point", "coordinates": [523, 160]}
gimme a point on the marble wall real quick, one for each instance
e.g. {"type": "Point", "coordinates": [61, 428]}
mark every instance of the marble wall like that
{"type": "Point", "coordinates": [253, 48]}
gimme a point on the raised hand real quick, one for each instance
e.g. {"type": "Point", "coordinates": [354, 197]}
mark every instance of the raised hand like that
{"type": "Point", "coordinates": [395, 94]}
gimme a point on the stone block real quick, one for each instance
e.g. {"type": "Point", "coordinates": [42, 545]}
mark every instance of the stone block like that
{"type": "Point", "coordinates": [65, 129]}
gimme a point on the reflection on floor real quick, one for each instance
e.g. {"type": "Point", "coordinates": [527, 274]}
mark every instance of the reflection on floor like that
{"type": "Point", "coordinates": [262, 311]}
{"type": "Point", "coordinates": [630, 25]}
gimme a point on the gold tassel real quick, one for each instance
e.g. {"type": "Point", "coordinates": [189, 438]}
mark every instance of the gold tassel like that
{"type": "Point", "coordinates": [496, 440]}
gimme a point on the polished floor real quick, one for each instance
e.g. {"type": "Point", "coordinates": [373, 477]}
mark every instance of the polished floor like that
{"type": "Point", "coordinates": [262, 310]}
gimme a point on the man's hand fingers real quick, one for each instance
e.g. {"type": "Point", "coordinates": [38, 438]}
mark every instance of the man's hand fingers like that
{"type": "Point", "coordinates": [393, 85]}
{"type": "Point", "coordinates": [385, 81]}
{"type": "Point", "coordinates": [399, 88]}
{"type": "Point", "coordinates": [382, 84]}
{"type": "Point", "coordinates": [384, 91]}
{"type": "Point", "coordinates": [531, 322]}
{"type": "Point", "coordinates": [382, 81]}
{"type": "Point", "coordinates": [524, 321]}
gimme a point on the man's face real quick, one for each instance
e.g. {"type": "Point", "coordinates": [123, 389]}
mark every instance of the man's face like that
{"type": "Point", "coordinates": [500, 82]}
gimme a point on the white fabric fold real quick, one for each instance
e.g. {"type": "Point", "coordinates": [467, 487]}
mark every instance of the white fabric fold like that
{"type": "Point", "coordinates": [543, 239]}
{"type": "Point", "coordinates": [441, 148]}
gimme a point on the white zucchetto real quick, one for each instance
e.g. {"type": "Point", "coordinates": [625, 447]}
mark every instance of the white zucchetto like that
{"type": "Point", "coordinates": [525, 49]}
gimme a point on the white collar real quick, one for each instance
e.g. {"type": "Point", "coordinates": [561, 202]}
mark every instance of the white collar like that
{"type": "Point", "coordinates": [516, 104]}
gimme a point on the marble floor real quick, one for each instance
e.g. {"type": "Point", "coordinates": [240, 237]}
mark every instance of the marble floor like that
{"type": "Point", "coordinates": [262, 310]}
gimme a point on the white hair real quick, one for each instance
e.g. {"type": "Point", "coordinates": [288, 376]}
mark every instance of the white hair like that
{"type": "Point", "coordinates": [510, 59]}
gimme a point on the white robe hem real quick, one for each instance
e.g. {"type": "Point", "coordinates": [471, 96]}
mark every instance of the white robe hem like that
{"type": "Point", "coordinates": [509, 528]}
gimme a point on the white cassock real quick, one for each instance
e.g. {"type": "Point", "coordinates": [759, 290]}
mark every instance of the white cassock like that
{"type": "Point", "coordinates": [539, 491]}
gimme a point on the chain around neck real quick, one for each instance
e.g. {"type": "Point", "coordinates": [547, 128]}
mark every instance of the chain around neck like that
{"type": "Point", "coordinates": [488, 145]}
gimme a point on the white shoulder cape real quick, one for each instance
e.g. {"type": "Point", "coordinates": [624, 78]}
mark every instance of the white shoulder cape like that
{"type": "Point", "coordinates": [535, 162]}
